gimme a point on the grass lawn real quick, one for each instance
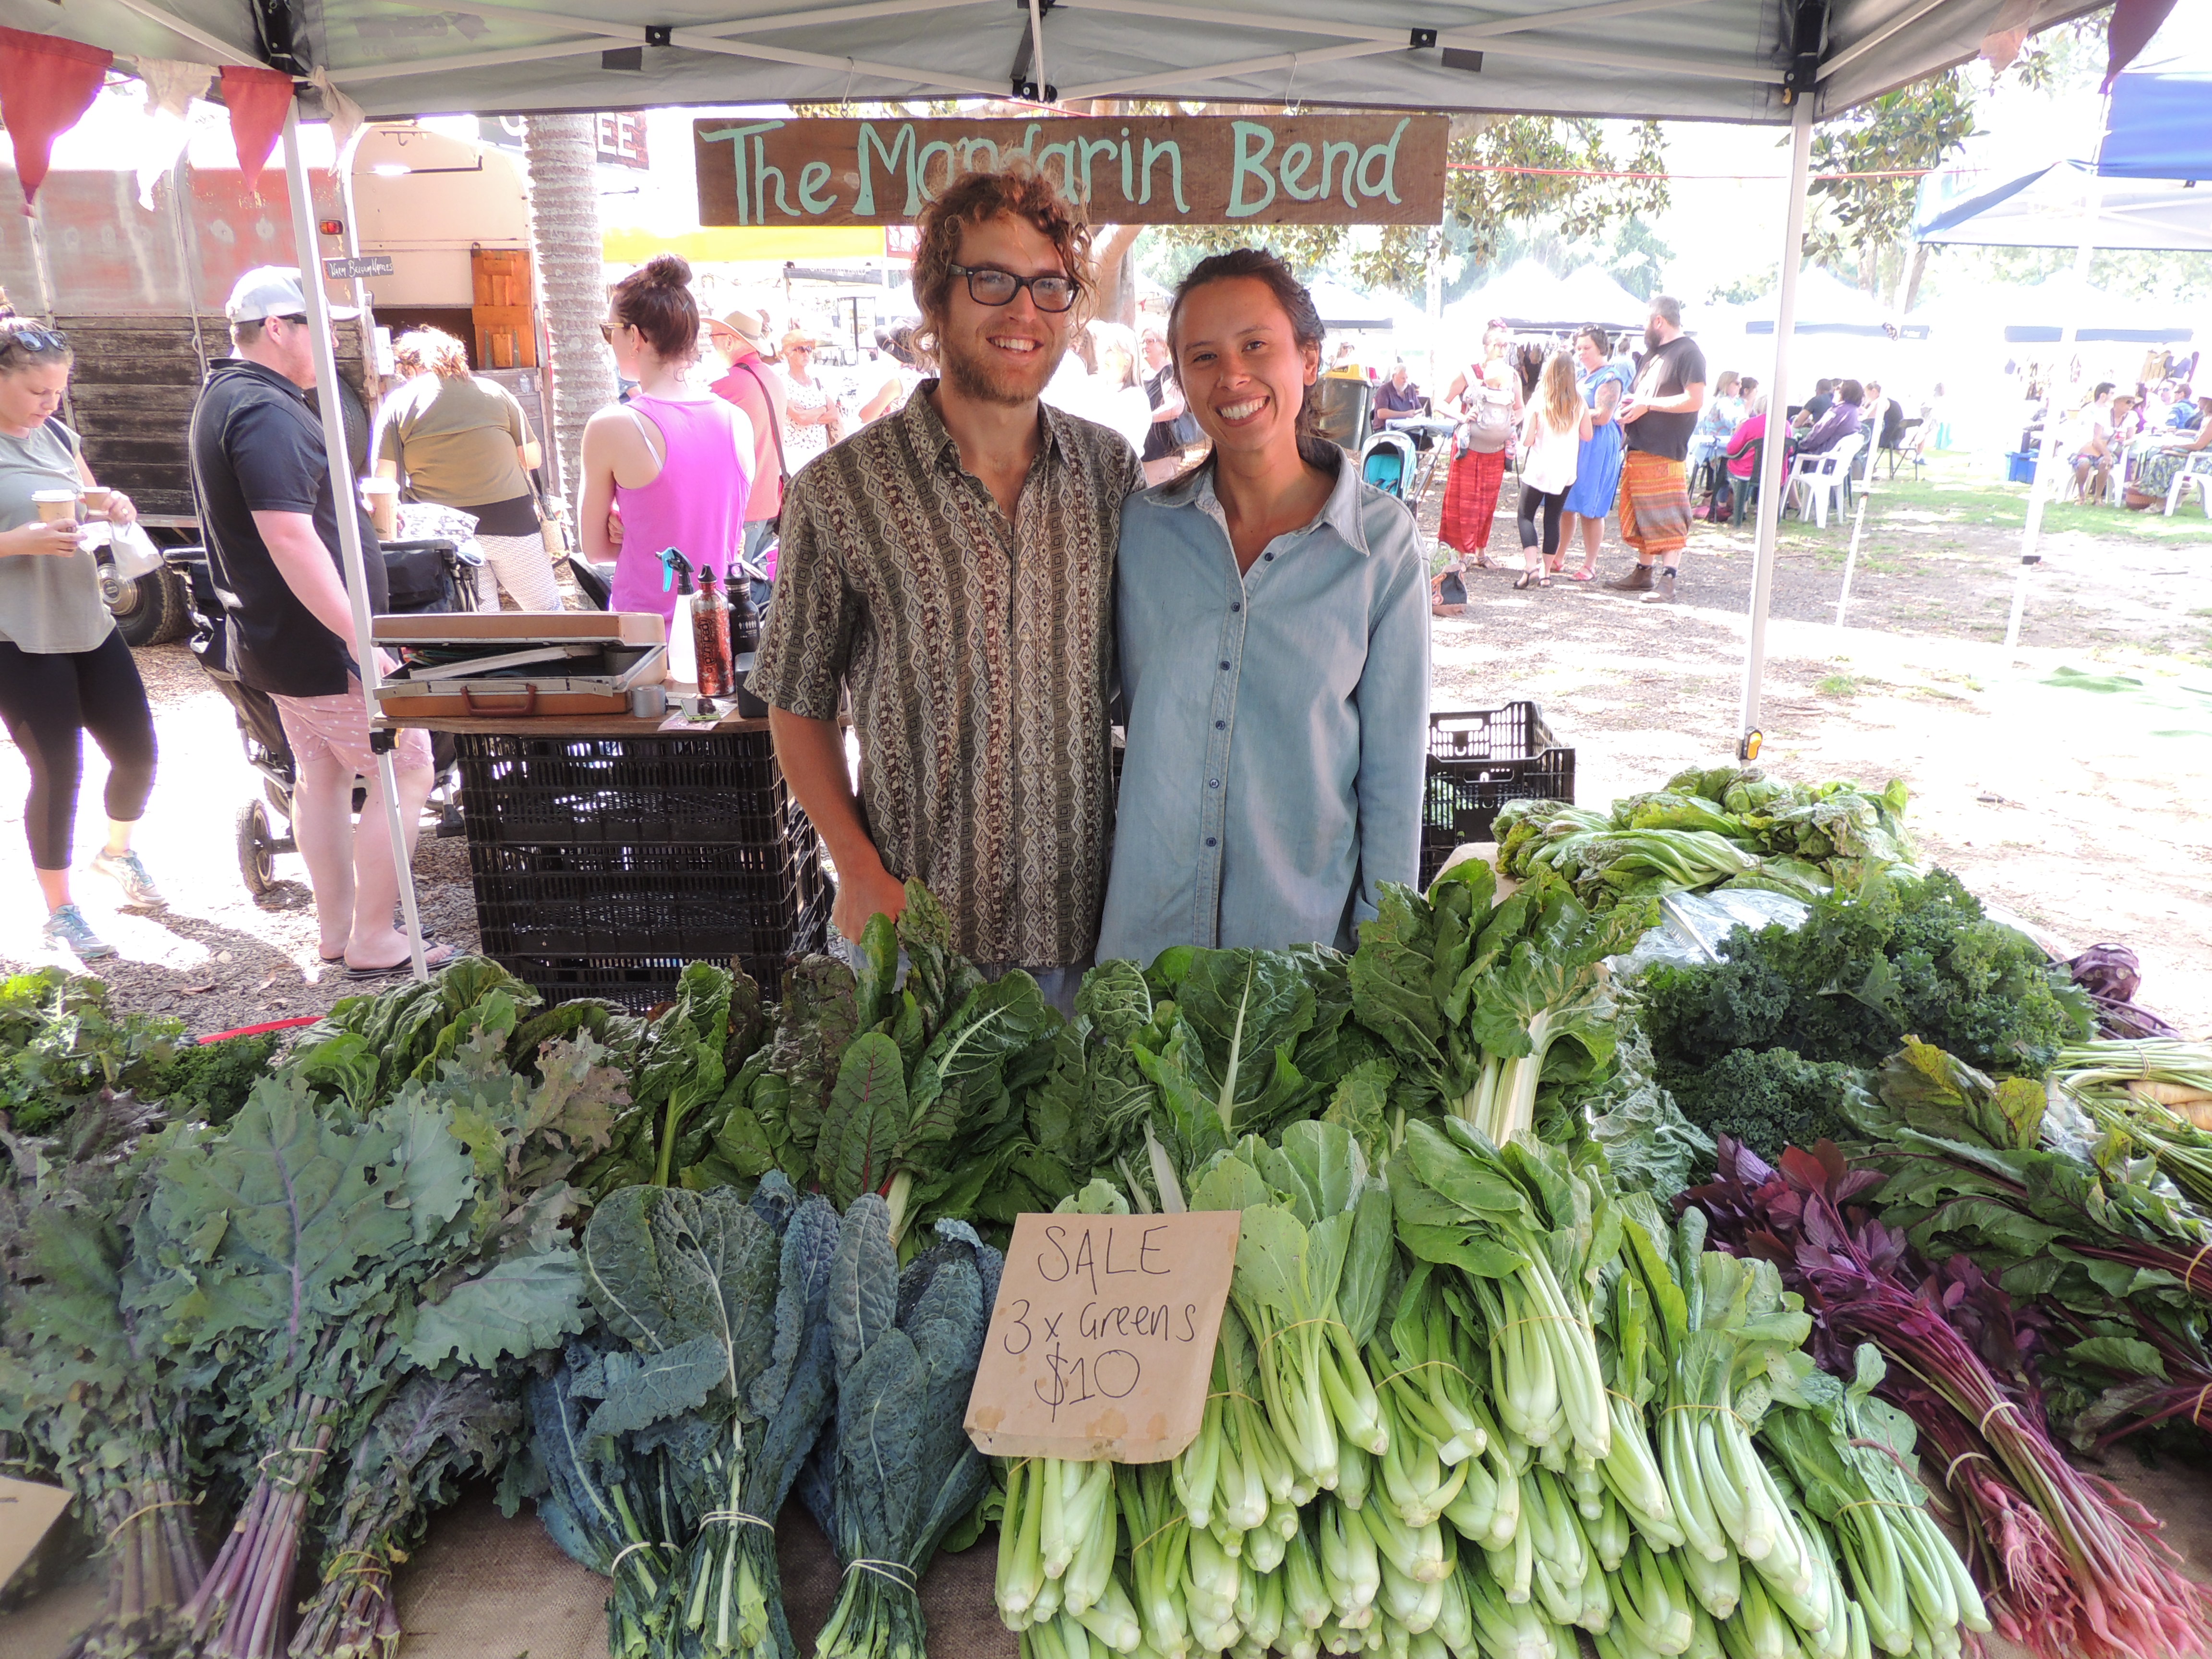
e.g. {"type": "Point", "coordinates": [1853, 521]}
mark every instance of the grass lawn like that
{"type": "Point", "coordinates": [1960, 490]}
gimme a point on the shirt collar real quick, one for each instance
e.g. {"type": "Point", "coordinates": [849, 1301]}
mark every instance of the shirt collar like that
{"type": "Point", "coordinates": [926, 429]}
{"type": "Point", "coordinates": [1341, 512]}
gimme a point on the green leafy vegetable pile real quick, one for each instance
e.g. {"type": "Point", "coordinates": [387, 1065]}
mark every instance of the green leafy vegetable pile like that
{"type": "Point", "coordinates": [1901, 956]}
{"type": "Point", "coordinates": [1707, 828]}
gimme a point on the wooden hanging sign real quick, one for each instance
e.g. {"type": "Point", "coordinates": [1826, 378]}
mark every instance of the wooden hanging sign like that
{"type": "Point", "coordinates": [1100, 1344]}
{"type": "Point", "coordinates": [1381, 169]}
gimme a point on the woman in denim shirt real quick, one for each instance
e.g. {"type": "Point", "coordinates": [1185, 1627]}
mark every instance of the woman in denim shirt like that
{"type": "Point", "coordinates": [1275, 652]}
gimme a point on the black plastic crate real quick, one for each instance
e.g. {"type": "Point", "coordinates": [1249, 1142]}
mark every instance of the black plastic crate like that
{"type": "Point", "coordinates": [640, 981]}
{"type": "Point", "coordinates": [547, 790]}
{"type": "Point", "coordinates": [603, 865]}
{"type": "Point", "coordinates": [1479, 760]}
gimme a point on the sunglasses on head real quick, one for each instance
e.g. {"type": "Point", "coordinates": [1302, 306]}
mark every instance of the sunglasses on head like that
{"type": "Point", "coordinates": [33, 339]}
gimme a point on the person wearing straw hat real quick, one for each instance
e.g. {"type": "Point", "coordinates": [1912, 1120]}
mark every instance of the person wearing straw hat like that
{"type": "Point", "coordinates": [738, 339]}
{"type": "Point", "coordinates": [815, 419]}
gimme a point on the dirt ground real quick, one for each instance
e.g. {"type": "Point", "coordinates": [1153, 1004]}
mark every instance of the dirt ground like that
{"type": "Point", "coordinates": [2066, 782]}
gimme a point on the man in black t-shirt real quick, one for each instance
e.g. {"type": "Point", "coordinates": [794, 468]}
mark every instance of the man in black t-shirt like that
{"type": "Point", "coordinates": [1656, 418]}
{"type": "Point", "coordinates": [270, 516]}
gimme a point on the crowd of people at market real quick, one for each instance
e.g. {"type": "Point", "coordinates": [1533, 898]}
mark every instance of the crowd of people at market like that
{"type": "Point", "coordinates": [1024, 525]}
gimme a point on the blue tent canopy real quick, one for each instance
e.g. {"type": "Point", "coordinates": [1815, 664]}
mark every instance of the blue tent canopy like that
{"type": "Point", "coordinates": [2161, 124]}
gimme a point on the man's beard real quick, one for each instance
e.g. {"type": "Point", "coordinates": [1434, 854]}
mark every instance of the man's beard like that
{"type": "Point", "coordinates": [1653, 339]}
{"type": "Point", "coordinates": [974, 378]}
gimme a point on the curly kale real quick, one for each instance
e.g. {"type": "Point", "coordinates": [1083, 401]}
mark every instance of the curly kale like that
{"type": "Point", "coordinates": [1769, 1100]}
{"type": "Point", "coordinates": [209, 1081]}
{"type": "Point", "coordinates": [1900, 956]}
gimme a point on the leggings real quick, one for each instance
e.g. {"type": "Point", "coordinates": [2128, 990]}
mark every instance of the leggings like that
{"type": "Point", "coordinates": [1551, 500]}
{"type": "Point", "coordinates": [48, 700]}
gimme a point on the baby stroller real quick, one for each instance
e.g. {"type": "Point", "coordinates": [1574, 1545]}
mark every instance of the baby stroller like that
{"type": "Point", "coordinates": [431, 575]}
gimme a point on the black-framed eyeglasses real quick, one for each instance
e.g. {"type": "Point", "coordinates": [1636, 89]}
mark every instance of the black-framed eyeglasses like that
{"type": "Point", "coordinates": [987, 287]}
{"type": "Point", "coordinates": [35, 339]}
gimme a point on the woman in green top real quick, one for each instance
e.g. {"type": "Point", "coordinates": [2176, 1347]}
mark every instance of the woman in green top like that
{"type": "Point", "coordinates": [63, 669]}
{"type": "Point", "coordinates": [465, 442]}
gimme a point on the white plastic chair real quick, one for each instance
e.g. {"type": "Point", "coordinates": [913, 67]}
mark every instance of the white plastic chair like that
{"type": "Point", "coordinates": [1825, 476]}
{"type": "Point", "coordinates": [2197, 470]}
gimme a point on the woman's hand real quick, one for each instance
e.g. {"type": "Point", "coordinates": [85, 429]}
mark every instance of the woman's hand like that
{"type": "Point", "coordinates": [122, 511]}
{"type": "Point", "coordinates": [55, 540]}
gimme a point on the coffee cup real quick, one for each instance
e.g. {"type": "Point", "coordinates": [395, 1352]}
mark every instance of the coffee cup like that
{"type": "Point", "coordinates": [55, 506]}
{"type": "Point", "coordinates": [96, 498]}
{"type": "Point", "coordinates": [381, 497]}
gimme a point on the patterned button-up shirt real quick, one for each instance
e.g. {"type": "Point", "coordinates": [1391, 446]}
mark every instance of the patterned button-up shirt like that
{"type": "Point", "coordinates": [978, 653]}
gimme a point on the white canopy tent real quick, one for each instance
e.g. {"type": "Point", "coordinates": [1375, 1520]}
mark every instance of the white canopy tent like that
{"type": "Point", "coordinates": [1759, 61]}
{"type": "Point", "coordinates": [1527, 295]}
{"type": "Point", "coordinates": [2043, 209]}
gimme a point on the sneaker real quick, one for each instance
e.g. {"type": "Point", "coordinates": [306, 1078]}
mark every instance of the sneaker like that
{"type": "Point", "coordinates": [1637, 580]}
{"type": "Point", "coordinates": [125, 870]}
{"type": "Point", "coordinates": [1663, 592]}
{"type": "Point", "coordinates": [67, 929]}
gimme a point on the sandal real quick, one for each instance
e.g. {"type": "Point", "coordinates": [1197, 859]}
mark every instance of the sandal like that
{"type": "Point", "coordinates": [1586, 573]}
{"type": "Point", "coordinates": [437, 958]}
{"type": "Point", "coordinates": [1532, 579]}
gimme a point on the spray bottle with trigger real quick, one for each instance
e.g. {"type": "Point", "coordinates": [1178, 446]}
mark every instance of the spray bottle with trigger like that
{"type": "Point", "coordinates": [683, 650]}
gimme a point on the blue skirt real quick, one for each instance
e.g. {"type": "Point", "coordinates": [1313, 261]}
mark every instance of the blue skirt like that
{"type": "Point", "coordinates": [1597, 473]}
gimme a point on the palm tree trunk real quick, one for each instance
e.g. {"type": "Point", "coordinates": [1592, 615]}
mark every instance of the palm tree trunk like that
{"type": "Point", "coordinates": [565, 245]}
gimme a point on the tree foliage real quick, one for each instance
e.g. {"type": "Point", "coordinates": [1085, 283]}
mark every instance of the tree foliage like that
{"type": "Point", "coordinates": [1568, 189]}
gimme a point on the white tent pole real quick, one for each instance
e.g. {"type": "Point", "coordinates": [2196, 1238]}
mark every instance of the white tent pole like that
{"type": "Point", "coordinates": [2046, 455]}
{"type": "Point", "coordinates": [342, 493]}
{"type": "Point", "coordinates": [1851, 559]}
{"type": "Point", "coordinates": [1777, 414]}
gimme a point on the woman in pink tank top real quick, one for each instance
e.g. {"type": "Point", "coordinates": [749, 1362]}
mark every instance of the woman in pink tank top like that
{"type": "Point", "coordinates": [676, 461]}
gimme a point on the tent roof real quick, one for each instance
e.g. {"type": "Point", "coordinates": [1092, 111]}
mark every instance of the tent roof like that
{"type": "Point", "coordinates": [2104, 317]}
{"type": "Point", "coordinates": [2043, 209]}
{"type": "Point", "coordinates": [1602, 300]}
{"type": "Point", "coordinates": [2160, 124]}
{"type": "Point", "coordinates": [1341, 308]}
{"type": "Point", "coordinates": [1525, 296]}
{"type": "Point", "coordinates": [1713, 59]}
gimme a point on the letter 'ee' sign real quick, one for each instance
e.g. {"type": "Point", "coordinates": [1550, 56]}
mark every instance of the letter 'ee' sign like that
{"type": "Point", "coordinates": [1100, 1344]}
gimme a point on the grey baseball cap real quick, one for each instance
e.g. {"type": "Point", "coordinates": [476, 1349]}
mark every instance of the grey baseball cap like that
{"type": "Point", "coordinates": [273, 291]}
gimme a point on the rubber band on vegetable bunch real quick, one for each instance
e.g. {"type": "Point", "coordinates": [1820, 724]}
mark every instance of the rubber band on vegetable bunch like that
{"type": "Point", "coordinates": [2128, 1596]}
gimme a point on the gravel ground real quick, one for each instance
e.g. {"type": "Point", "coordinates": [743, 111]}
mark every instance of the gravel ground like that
{"type": "Point", "coordinates": [217, 957]}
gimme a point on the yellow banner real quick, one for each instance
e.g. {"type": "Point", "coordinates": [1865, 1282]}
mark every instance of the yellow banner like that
{"type": "Point", "coordinates": [801, 242]}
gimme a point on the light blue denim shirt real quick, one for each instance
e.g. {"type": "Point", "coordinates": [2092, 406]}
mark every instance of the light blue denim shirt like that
{"type": "Point", "coordinates": [1278, 722]}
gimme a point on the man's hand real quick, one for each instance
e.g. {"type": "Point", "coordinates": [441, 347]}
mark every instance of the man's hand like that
{"type": "Point", "coordinates": [861, 894]}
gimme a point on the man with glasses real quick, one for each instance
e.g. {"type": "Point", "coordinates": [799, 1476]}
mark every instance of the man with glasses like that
{"type": "Point", "coordinates": [270, 517]}
{"type": "Point", "coordinates": [951, 566]}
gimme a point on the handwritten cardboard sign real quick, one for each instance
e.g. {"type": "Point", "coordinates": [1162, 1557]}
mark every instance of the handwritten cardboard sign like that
{"type": "Point", "coordinates": [27, 1509]}
{"type": "Point", "coordinates": [1132, 170]}
{"type": "Point", "coordinates": [1101, 1341]}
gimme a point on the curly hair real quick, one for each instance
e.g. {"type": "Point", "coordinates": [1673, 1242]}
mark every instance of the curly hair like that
{"type": "Point", "coordinates": [431, 348]}
{"type": "Point", "coordinates": [977, 198]}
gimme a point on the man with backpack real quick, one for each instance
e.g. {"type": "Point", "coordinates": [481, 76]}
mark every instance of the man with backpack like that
{"type": "Point", "coordinates": [736, 339]}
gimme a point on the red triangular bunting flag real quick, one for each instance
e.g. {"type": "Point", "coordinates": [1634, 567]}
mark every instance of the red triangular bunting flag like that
{"type": "Point", "coordinates": [47, 84]}
{"type": "Point", "coordinates": [257, 100]}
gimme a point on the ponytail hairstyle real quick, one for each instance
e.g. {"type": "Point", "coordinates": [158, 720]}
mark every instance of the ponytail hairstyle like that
{"type": "Point", "coordinates": [431, 348]}
{"type": "Point", "coordinates": [1561, 402]}
{"type": "Point", "coordinates": [656, 300]}
{"type": "Point", "coordinates": [1305, 328]}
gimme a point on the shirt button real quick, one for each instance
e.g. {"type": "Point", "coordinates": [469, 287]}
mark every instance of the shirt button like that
{"type": "Point", "coordinates": [1268, 557]}
{"type": "Point", "coordinates": [1236, 607]}
{"type": "Point", "coordinates": [1221, 726]}
{"type": "Point", "coordinates": [1224, 667]}
{"type": "Point", "coordinates": [1214, 783]}
{"type": "Point", "coordinates": [1210, 840]}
